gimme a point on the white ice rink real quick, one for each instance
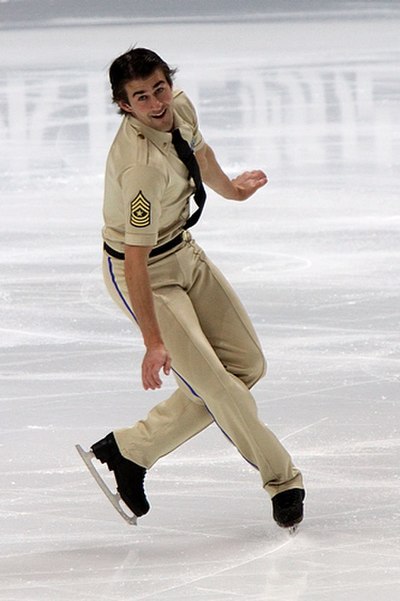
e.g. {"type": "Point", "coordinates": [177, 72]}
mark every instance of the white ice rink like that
{"type": "Point", "coordinates": [314, 99]}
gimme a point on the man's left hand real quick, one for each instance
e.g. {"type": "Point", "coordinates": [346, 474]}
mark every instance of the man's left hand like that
{"type": "Point", "coordinates": [249, 182]}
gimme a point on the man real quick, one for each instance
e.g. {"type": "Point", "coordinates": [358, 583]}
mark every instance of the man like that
{"type": "Point", "coordinates": [191, 321]}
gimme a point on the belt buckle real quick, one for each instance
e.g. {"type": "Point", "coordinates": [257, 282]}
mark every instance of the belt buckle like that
{"type": "Point", "coordinates": [186, 236]}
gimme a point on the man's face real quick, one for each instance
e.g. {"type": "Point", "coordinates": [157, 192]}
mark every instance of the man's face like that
{"type": "Point", "coordinates": [150, 101]}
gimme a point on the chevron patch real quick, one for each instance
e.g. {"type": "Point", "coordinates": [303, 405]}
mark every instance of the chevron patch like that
{"type": "Point", "coordinates": [140, 211]}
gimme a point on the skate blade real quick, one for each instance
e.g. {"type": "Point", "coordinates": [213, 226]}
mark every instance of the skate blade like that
{"type": "Point", "coordinates": [114, 498]}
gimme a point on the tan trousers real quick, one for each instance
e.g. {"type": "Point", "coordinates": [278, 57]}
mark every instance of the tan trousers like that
{"type": "Point", "coordinates": [216, 358]}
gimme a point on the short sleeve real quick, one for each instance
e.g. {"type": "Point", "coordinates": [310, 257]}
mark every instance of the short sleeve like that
{"type": "Point", "coordinates": [187, 114]}
{"type": "Point", "coordinates": [197, 140]}
{"type": "Point", "coordinates": [142, 190]}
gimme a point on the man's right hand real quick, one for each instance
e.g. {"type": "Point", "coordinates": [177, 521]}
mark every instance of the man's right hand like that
{"type": "Point", "coordinates": [155, 359]}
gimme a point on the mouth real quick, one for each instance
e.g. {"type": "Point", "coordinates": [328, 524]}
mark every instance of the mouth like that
{"type": "Point", "coordinates": [160, 115]}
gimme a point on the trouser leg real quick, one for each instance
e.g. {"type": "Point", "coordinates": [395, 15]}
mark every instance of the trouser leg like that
{"type": "Point", "coordinates": [170, 423]}
{"type": "Point", "coordinates": [166, 427]}
{"type": "Point", "coordinates": [225, 395]}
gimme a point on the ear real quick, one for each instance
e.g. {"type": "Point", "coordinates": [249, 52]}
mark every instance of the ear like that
{"type": "Point", "coordinates": [125, 106]}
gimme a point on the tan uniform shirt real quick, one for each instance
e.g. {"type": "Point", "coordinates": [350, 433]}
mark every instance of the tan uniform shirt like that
{"type": "Point", "coordinates": [147, 190]}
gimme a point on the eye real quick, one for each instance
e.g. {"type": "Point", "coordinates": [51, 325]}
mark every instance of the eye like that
{"type": "Point", "coordinates": [142, 98]}
{"type": "Point", "coordinates": [160, 90]}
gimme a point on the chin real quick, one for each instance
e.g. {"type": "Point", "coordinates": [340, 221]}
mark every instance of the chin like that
{"type": "Point", "coordinates": [167, 126]}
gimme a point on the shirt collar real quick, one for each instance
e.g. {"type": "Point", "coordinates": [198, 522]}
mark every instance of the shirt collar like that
{"type": "Point", "coordinates": [160, 139]}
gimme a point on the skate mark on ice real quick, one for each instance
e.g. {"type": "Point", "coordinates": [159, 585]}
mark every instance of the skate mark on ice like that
{"type": "Point", "coordinates": [324, 419]}
{"type": "Point", "coordinates": [325, 389]}
{"type": "Point", "coordinates": [216, 572]}
{"type": "Point", "coordinates": [61, 396]}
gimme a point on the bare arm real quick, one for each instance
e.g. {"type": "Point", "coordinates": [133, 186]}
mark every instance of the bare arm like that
{"type": "Point", "coordinates": [239, 188]}
{"type": "Point", "coordinates": [141, 296]}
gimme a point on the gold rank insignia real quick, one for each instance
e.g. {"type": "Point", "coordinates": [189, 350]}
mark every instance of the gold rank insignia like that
{"type": "Point", "coordinates": [140, 211]}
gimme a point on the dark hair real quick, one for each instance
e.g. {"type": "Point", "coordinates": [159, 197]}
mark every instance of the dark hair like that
{"type": "Point", "coordinates": [137, 63]}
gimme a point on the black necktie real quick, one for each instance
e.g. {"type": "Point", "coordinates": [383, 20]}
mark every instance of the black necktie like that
{"type": "Point", "coordinates": [186, 155]}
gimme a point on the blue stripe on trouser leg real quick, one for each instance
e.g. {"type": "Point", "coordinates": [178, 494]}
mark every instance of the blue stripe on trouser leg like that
{"type": "Point", "coordinates": [181, 378]}
{"type": "Point", "coordinates": [129, 309]}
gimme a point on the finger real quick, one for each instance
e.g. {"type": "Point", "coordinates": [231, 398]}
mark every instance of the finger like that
{"type": "Point", "coordinates": [167, 366]}
{"type": "Point", "coordinates": [147, 385]}
{"type": "Point", "coordinates": [154, 379]}
{"type": "Point", "coordinates": [258, 173]}
{"type": "Point", "coordinates": [259, 176]}
{"type": "Point", "coordinates": [150, 384]}
{"type": "Point", "coordinates": [255, 174]}
{"type": "Point", "coordinates": [256, 182]}
{"type": "Point", "coordinates": [150, 378]}
{"type": "Point", "coordinates": [252, 181]}
{"type": "Point", "coordinates": [259, 183]}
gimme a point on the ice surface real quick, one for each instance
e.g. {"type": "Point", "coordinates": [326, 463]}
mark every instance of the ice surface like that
{"type": "Point", "coordinates": [315, 257]}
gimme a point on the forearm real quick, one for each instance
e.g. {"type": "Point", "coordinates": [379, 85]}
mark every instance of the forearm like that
{"type": "Point", "coordinates": [141, 295]}
{"type": "Point", "coordinates": [213, 175]}
{"type": "Point", "coordinates": [240, 188]}
{"type": "Point", "coordinates": [142, 300]}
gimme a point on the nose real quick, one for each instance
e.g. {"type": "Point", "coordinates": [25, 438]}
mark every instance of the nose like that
{"type": "Point", "coordinates": [155, 104]}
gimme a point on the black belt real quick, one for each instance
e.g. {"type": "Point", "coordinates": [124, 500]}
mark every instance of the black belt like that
{"type": "Point", "coordinates": [158, 250]}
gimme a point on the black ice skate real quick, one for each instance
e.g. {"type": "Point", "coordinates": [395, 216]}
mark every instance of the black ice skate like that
{"type": "Point", "coordinates": [288, 508]}
{"type": "Point", "coordinates": [128, 475]}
